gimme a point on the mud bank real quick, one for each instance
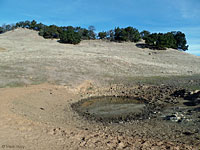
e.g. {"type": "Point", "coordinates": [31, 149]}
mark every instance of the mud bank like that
{"type": "Point", "coordinates": [165, 112]}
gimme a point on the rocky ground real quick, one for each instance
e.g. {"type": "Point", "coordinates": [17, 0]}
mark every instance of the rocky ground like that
{"type": "Point", "coordinates": [36, 116]}
{"type": "Point", "coordinates": [43, 116]}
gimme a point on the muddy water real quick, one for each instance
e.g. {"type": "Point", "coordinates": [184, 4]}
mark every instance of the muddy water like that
{"type": "Point", "coordinates": [111, 108]}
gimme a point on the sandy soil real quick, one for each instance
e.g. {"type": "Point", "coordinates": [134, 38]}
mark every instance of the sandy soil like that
{"type": "Point", "coordinates": [40, 116]}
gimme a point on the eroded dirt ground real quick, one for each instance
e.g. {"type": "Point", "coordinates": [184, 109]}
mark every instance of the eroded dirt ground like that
{"type": "Point", "coordinates": [41, 117]}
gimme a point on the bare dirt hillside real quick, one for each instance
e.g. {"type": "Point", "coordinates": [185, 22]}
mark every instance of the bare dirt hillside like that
{"type": "Point", "coordinates": [40, 117]}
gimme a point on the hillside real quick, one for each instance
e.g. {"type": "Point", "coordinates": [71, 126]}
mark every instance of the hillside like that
{"type": "Point", "coordinates": [47, 88]}
{"type": "Point", "coordinates": [29, 58]}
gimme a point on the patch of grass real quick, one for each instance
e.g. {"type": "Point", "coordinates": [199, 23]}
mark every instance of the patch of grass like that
{"type": "Point", "coordinates": [13, 84]}
{"type": "Point", "coordinates": [190, 82]}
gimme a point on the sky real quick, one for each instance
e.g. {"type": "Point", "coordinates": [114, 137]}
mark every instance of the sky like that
{"type": "Point", "coordinates": [151, 15]}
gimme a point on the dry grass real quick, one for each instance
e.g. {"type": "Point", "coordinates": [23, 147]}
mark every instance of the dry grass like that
{"type": "Point", "coordinates": [30, 59]}
{"type": "Point", "coordinates": [2, 49]}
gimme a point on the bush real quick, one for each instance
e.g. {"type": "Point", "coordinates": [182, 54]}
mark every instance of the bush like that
{"type": "Point", "coordinates": [70, 36]}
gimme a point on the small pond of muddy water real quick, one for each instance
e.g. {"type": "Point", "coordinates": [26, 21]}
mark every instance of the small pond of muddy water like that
{"type": "Point", "coordinates": [112, 108]}
{"type": "Point", "coordinates": [158, 112]}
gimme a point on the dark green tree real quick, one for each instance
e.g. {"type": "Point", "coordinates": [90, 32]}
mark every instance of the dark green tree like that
{"type": "Point", "coordinates": [85, 35]}
{"type": "Point", "coordinates": [1, 30]}
{"type": "Point", "coordinates": [33, 25]}
{"type": "Point", "coordinates": [120, 35]}
{"type": "Point", "coordinates": [132, 34]}
{"type": "Point", "coordinates": [175, 40]}
{"type": "Point", "coordinates": [151, 40]}
{"type": "Point", "coordinates": [70, 36]}
{"type": "Point", "coordinates": [20, 24]}
{"type": "Point", "coordinates": [170, 41]}
{"type": "Point", "coordinates": [180, 40]}
{"type": "Point", "coordinates": [50, 32]}
{"type": "Point", "coordinates": [102, 35]}
{"type": "Point", "coordinates": [126, 34]}
{"type": "Point", "coordinates": [27, 24]}
{"type": "Point", "coordinates": [144, 34]}
{"type": "Point", "coordinates": [39, 27]}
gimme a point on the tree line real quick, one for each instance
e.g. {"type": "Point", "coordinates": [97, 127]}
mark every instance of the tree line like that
{"type": "Point", "coordinates": [74, 35]}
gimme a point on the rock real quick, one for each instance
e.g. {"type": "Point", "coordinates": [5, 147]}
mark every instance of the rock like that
{"type": "Point", "coordinates": [42, 108]}
{"type": "Point", "coordinates": [121, 145]}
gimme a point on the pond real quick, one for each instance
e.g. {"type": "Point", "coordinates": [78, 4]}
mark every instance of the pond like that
{"type": "Point", "coordinates": [111, 108]}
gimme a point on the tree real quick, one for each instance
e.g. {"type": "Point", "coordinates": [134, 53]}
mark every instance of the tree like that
{"type": "Point", "coordinates": [151, 40]}
{"type": "Point", "coordinates": [144, 34]}
{"type": "Point", "coordinates": [20, 24]}
{"type": "Point", "coordinates": [33, 24]}
{"type": "Point", "coordinates": [1, 30]}
{"type": "Point", "coordinates": [27, 24]}
{"type": "Point", "coordinates": [170, 41]}
{"type": "Point", "coordinates": [39, 27]}
{"type": "Point", "coordinates": [91, 33]}
{"type": "Point", "coordinates": [180, 40]}
{"type": "Point", "coordinates": [70, 36]}
{"type": "Point", "coordinates": [102, 35]}
{"type": "Point", "coordinates": [132, 34]}
{"type": "Point", "coordinates": [126, 34]}
{"type": "Point", "coordinates": [50, 32]}
{"type": "Point", "coordinates": [85, 34]}
{"type": "Point", "coordinates": [111, 34]}
{"type": "Point", "coordinates": [120, 35]}
{"type": "Point", "coordinates": [175, 40]}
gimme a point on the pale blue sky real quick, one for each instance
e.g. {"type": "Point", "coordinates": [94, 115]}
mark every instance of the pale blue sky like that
{"type": "Point", "coordinates": [152, 15]}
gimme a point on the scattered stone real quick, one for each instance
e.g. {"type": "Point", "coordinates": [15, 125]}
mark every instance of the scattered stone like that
{"type": "Point", "coordinates": [187, 133]}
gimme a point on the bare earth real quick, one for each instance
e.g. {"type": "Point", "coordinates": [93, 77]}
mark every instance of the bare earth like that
{"type": "Point", "coordinates": [40, 116]}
